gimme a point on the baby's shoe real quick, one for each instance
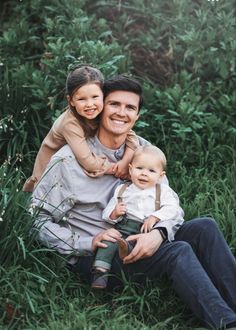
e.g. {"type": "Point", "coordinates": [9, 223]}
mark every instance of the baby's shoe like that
{"type": "Point", "coordinates": [99, 279]}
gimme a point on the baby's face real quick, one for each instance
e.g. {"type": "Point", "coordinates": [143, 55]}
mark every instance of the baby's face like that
{"type": "Point", "coordinates": [146, 170]}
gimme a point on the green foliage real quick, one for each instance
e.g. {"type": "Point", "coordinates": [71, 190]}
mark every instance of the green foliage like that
{"type": "Point", "coordinates": [198, 36]}
{"type": "Point", "coordinates": [198, 117]}
{"type": "Point", "coordinates": [184, 53]}
{"type": "Point", "coordinates": [187, 51]}
{"type": "Point", "coordinates": [37, 52]}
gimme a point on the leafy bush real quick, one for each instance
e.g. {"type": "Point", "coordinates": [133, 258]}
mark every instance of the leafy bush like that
{"type": "Point", "coordinates": [190, 64]}
{"type": "Point", "coordinates": [37, 52]}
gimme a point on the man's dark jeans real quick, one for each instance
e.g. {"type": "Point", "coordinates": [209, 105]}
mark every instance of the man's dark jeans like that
{"type": "Point", "coordinates": [199, 264]}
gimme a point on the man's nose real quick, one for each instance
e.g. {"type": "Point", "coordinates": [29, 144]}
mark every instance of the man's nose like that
{"type": "Point", "coordinates": [121, 111]}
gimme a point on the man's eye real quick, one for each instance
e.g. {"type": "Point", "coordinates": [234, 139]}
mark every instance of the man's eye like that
{"type": "Point", "coordinates": [131, 108]}
{"type": "Point", "coordinates": [95, 96]}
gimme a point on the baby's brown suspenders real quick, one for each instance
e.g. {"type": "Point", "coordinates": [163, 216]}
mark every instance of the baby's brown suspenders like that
{"type": "Point", "coordinates": [158, 193]}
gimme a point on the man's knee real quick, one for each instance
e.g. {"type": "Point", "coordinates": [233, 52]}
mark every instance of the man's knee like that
{"type": "Point", "coordinates": [181, 248]}
{"type": "Point", "coordinates": [205, 225]}
{"type": "Point", "coordinates": [180, 255]}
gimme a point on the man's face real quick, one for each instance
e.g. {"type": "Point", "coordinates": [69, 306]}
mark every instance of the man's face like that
{"type": "Point", "coordinates": [120, 112]}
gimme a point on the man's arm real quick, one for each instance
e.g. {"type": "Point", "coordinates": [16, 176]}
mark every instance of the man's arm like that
{"type": "Point", "coordinates": [52, 201]}
{"type": "Point", "coordinates": [67, 242]}
{"type": "Point", "coordinates": [60, 238]}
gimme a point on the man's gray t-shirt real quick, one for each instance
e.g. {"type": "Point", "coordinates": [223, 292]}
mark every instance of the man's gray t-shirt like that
{"type": "Point", "coordinates": [69, 204]}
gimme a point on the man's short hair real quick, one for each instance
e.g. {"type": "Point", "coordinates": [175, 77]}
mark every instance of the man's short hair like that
{"type": "Point", "coordinates": [125, 83]}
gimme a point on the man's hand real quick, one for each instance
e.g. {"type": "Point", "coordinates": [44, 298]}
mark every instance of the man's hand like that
{"type": "Point", "coordinates": [149, 223]}
{"type": "Point", "coordinates": [111, 235]}
{"type": "Point", "coordinates": [119, 210]}
{"type": "Point", "coordinates": [146, 245]}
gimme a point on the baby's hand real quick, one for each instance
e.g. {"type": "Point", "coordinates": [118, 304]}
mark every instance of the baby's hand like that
{"type": "Point", "coordinates": [121, 170]}
{"type": "Point", "coordinates": [149, 223]}
{"type": "Point", "coordinates": [119, 210]}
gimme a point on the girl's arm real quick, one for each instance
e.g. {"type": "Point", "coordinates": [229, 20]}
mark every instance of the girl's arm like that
{"type": "Point", "coordinates": [94, 165]}
{"type": "Point", "coordinates": [121, 168]}
{"type": "Point", "coordinates": [66, 129]}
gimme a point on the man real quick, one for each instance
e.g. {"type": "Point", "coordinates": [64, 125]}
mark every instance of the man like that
{"type": "Point", "coordinates": [199, 263]}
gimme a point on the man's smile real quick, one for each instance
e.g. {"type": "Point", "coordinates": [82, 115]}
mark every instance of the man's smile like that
{"type": "Point", "coordinates": [118, 121]}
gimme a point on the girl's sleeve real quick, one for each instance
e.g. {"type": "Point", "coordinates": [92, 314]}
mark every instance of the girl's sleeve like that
{"type": "Point", "coordinates": [132, 140]}
{"type": "Point", "coordinates": [94, 165]}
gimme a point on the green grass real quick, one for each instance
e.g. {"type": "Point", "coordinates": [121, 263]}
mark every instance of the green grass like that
{"type": "Point", "coordinates": [189, 113]}
{"type": "Point", "coordinates": [37, 283]}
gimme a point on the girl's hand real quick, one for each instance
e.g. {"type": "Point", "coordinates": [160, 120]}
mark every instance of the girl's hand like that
{"type": "Point", "coordinates": [148, 224]}
{"type": "Point", "coordinates": [111, 170]}
{"type": "Point", "coordinates": [121, 170]}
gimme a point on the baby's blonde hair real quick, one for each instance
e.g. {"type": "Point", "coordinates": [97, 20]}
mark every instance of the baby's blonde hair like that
{"type": "Point", "coordinates": [150, 149]}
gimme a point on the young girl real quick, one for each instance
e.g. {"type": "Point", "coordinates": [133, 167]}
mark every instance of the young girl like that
{"type": "Point", "coordinates": [80, 120]}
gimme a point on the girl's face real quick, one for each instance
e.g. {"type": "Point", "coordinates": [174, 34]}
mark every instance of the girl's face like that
{"type": "Point", "coordinates": [87, 100]}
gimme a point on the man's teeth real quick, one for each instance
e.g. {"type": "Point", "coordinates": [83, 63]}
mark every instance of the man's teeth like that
{"type": "Point", "coordinates": [118, 122]}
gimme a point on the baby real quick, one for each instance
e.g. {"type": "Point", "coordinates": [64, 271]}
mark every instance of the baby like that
{"type": "Point", "coordinates": [138, 206]}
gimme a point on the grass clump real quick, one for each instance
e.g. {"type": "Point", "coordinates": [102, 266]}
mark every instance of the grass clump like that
{"type": "Point", "coordinates": [183, 52]}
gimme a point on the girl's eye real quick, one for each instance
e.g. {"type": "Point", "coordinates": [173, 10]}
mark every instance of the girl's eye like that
{"type": "Point", "coordinates": [152, 171]}
{"type": "Point", "coordinates": [139, 168]}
